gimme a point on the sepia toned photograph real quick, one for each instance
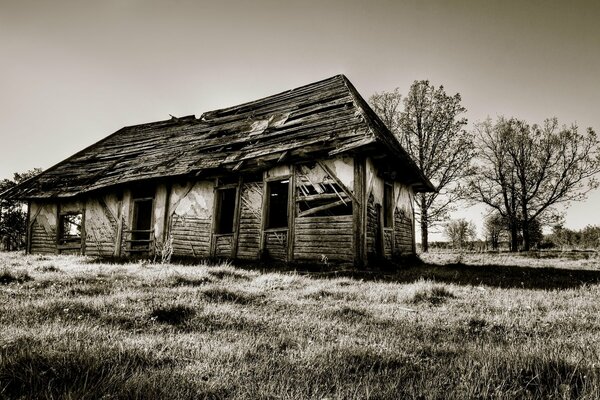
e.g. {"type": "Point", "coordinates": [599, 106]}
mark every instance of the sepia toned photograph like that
{"type": "Point", "coordinates": [299, 199]}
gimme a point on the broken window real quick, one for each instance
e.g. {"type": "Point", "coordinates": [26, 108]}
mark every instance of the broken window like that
{"type": "Point", "coordinates": [388, 205]}
{"type": "Point", "coordinates": [70, 228]}
{"type": "Point", "coordinates": [225, 210]}
{"type": "Point", "coordinates": [277, 192]}
{"type": "Point", "coordinates": [320, 195]}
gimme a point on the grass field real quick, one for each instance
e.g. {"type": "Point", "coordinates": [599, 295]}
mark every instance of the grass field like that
{"type": "Point", "coordinates": [498, 327]}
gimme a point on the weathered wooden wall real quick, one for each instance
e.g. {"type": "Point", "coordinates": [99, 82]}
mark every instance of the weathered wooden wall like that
{"type": "Point", "coordinates": [190, 218]}
{"type": "Point", "coordinates": [250, 217]}
{"type": "Point", "coordinates": [183, 215]}
{"type": "Point", "coordinates": [320, 238]}
{"type": "Point", "coordinates": [42, 225]}
{"type": "Point", "coordinates": [102, 217]}
{"type": "Point", "coordinates": [403, 220]}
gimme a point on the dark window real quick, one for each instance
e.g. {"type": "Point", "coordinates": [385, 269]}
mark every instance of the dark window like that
{"type": "Point", "coordinates": [70, 228]}
{"type": "Point", "coordinates": [278, 204]}
{"type": "Point", "coordinates": [142, 223]}
{"type": "Point", "coordinates": [388, 205]}
{"type": "Point", "coordinates": [225, 210]}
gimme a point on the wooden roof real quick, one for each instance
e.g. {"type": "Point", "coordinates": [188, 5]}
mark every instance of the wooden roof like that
{"type": "Point", "coordinates": [321, 119]}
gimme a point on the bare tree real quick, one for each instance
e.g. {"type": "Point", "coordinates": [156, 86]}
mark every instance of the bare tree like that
{"type": "Point", "coordinates": [459, 232]}
{"type": "Point", "coordinates": [430, 128]}
{"type": "Point", "coordinates": [493, 227]}
{"type": "Point", "coordinates": [525, 171]}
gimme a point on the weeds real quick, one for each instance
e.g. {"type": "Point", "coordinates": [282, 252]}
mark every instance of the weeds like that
{"type": "Point", "coordinates": [434, 295]}
{"type": "Point", "coordinates": [225, 295]}
{"type": "Point", "coordinates": [7, 277]}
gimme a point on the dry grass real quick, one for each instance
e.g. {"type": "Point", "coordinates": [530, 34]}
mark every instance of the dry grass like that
{"type": "Point", "coordinates": [78, 329]}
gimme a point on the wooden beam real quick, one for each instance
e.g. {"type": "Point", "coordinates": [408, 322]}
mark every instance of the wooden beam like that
{"type": "Point", "coordinates": [236, 218]}
{"type": "Point", "coordinates": [291, 214]}
{"type": "Point", "coordinates": [83, 232]}
{"type": "Point", "coordinates": [264, 216]}
{"type": "Point", "coordinates": [315, 210]}
{"type": "Point", "coordinates": [28, 239]}
{"type": "Point", "coordinates": [359, 213]}
{"type": "Point", "coordinates": [337, 180]}
{"type": "Point", "coordinates": [322, 196]}
{"type": "Point", "coordinates": [282, 156]}
{"type": "Point", "coordinates": [58, 227]}
{"type": "Point", "coordinates": [380, 234]}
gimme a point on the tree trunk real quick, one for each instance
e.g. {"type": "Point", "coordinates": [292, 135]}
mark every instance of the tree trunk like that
{"type": "Point", "coordinates": [424, 226]}
{"type": "Point", "coordinates": [526, 237]}
{"type": "Point", "coordinates": [514, 243]}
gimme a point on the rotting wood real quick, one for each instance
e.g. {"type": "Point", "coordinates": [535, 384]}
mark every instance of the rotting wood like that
{"type": "Point", "coordinates": [324, 207]}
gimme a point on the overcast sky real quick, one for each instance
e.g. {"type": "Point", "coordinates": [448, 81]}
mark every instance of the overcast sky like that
{"type": "Point", "coordinates": [72, 72]}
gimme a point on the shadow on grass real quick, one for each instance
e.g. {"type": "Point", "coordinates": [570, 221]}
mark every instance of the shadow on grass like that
{"type": "Point", "coordinates": [413, 269]}
{"type": "Point", "coordinates": [501, 276]}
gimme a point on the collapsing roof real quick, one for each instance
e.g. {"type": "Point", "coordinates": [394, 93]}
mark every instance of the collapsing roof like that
{"type": "Point", "coordinates": [321, 119]}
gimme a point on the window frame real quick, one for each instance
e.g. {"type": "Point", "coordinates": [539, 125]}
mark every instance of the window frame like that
{"type": "Point", "coordinates": [217, 229]}
{"type": "Point", "coordinates": [62, 241]}
{"type": "Point", "coordinates": [388, 205]}
{"type": "Point", "coordinates": [268, 223]}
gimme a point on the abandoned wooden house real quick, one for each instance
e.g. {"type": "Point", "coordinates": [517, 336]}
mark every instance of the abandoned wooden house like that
{"type": "Point", "coordinates": [304, 175]}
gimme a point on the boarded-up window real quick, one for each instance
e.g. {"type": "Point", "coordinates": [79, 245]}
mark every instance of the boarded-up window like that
{"type": "Point", "coordinates": [278, 204]}
{"type": "Point", "coordinates": [70, 228]}
{"type": "Point", "coordinates": [388, 205]}
{"type": "Point", "coordinates": [225, 210]}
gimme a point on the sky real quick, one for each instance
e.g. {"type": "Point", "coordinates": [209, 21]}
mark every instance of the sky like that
{"type": "Point", "coordinates": [72, 72]}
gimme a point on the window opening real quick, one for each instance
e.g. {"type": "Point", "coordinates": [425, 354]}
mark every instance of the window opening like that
{"type": "Point", "coordinates": [70, 228]}
{"type": "Point", "coordinates": [142, 224]}
{"type": "Point", "coordinates": [388, 205]}
{"type": "Point", "coordinates": [277, 192]}
{"type": "Point", "coordinates": [225, 210]}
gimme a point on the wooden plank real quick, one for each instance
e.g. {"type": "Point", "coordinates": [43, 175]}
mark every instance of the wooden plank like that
{"type": "Point", "coordinates": [359, 213]}
{"type": "Point", "coordinates": [264, 215]}
{"type": "Point", "coordinates": [83, 231]}
{"type": "Point", "coordinates": [326, 219]}
{"type": "Point", "coordinates": [322, 196]}
{"type": "Point", "coordinates": [28, 239]}
{"type": "Point", "coordinates": [236, 217]}
{"type": "Point", "coordinates": [324, 207]}
{"type": "Point", "coordinates": [58, 227]}
{"type": "Point", "coordinates": [292, 207]}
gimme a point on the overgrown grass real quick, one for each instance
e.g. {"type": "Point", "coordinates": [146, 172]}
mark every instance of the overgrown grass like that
{"type": "Point", "coordinates": [71, 328]}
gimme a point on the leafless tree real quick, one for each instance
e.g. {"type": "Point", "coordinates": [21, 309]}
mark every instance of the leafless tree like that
{"type": "Point", "coordinates": [430, 127]}
{"type": "Point", "coordinates": [459, 232]}
{"type": "Point", "coordinates": [524, 171]}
